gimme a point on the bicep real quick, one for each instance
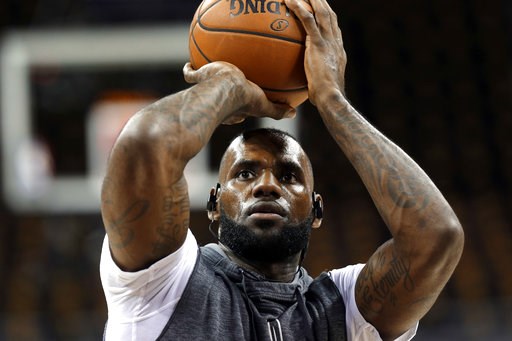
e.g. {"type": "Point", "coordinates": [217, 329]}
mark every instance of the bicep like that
{"type": "Point", "coordinates": [394, 290]}
{"type": "Point", "coordinates": [145, 219]}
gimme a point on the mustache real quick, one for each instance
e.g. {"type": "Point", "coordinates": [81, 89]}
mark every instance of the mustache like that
{"type": "Point", "coordinates": [266, 207]}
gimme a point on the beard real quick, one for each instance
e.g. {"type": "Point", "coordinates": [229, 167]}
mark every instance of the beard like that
{"type": "Point", "coordinates": [245, 243]}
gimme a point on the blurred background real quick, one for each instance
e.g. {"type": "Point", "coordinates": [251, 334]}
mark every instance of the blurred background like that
{"type": "Point", "coordinates": [434, 76]}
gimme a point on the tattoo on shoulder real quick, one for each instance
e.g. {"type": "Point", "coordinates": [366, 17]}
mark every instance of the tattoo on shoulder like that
{"type": "Point", "coordinates": [377, 284]}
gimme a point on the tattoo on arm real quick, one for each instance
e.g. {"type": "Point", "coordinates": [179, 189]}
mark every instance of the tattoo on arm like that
{"type": "Point", "coordinates": [379, 280]}
{"type": "Point", "coordinates": [175, 213]}
{"type": "Point", "coordinates": [118, 227]}
{"type": "Point", "coordinates": [379, 162]}
{"type": "Point", "coordinates": [195, 111]}
{"type": "Point", "coordinates": [404, 189]}
{"type": "Point", "coordinates": [121, 234]}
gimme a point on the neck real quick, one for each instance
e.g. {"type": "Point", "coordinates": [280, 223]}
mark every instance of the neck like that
{"type": "Point", "coordinates": [280, 271]}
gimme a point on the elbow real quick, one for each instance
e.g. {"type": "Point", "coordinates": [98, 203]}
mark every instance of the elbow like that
{"type": "Point", "coordinates": [454, 236]}
{"type": "Point", "coordinates": [447, 245]}
{"type": "Point", "coordinates": [138, 134]}
{"type": "Point", "coordinates": [148, 137]}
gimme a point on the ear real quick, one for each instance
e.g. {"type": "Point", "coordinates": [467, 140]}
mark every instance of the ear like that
{"type": "Point", "coordinates": [213, 215]}
{"type": "Point", "coordinates": [211, 205]}
{"type": "Point", "coordinates": [318, 210]}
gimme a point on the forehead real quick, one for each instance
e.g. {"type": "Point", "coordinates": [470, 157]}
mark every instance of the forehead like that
{"type": "Point", "coordinates": [265, 150]}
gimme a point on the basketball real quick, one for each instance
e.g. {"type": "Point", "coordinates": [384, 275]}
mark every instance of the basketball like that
{"type": "Point", "coordinates": [262, 38]}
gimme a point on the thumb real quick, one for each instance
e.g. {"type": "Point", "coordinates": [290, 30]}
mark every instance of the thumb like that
{"type": "Point", "coordinates": [189, 73]}
{"type": "Point", "coordinates": [279, 111]}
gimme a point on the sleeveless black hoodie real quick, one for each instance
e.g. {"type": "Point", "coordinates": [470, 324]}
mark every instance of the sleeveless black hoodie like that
{"type": "Point", "coordinates": [222, 301]}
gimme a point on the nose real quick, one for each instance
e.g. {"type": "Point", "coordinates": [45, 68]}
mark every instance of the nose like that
{"type": "Point", "coordinates": [267, 186]}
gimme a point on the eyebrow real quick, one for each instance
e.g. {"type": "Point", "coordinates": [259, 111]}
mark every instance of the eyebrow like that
{"type": "Point", "coordinates": [281, 165]}
{"type": "Point", "coordinates": [291, 166]}
{"type": "Point", "coordinates": [245, 163]}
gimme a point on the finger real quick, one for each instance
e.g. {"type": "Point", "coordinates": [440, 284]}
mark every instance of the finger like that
{"type": "Point", "coordinates": [291, 113]}
{"type": "Point", "coordinates": [326, 19]}
{"type": "Point", "coordinates": [279, 111]}
{"type": "Point", "coordinates": [306, 17]}
{"type": "Point", "coordinates": [189, 73]}
{"type": "Point", "coordinates": [324, 10]}
{"type": "Point", "coordinates": [234, 120]}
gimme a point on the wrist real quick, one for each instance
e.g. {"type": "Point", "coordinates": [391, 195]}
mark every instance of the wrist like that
{"type": "Point", "coordinates": [332, 101]}
{"type": "Point", "coordinates": [233, 94]}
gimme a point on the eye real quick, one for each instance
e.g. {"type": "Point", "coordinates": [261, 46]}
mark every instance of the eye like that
{"type": "Point", "coordinates": [245, 175]}
{"type": "Point", "coordinates": [289, 178]}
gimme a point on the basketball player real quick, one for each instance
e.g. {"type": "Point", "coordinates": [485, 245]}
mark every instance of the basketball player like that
{"type": "Point", "coordinates": [250, 286]}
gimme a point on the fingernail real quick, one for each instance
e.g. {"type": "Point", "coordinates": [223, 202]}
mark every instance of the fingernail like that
{"type": "Point", "coordinates": [291, 113]}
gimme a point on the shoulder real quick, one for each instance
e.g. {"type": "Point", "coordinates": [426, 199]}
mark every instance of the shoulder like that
{"type": "Point", "coordinates": [345, 278]}
{"type": "Point", "coordinates": [171, 265]}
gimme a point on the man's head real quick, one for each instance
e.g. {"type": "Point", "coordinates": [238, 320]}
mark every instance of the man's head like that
{"type": "Point", "coordinates": [265, 202]}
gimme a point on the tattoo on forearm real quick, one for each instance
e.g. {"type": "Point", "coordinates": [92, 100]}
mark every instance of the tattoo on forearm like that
{"type": "Point", "coordinates": [195, 111]}
{"type": "Point", "coordinates": [201, 121]}
{"type": "Point", "coordinates": [382, 171]}
{"type": "Point", "coordinates": [377, 292]}
{"type": "Point", "coordinates": [406, 190]}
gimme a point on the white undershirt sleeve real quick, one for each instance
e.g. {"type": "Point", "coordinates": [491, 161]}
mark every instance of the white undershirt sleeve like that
{"type": "Point", "coordinates": [140, 303]}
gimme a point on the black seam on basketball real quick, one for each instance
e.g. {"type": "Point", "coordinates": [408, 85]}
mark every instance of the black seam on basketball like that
{"type": "Point", "coordinates": [285, 90]}
{"type": "Point", "coordinates": [199, 49]}
{"type": "Point", "coordinates": [267, 35]}
{"type": "Point", "coordinates": [206, 10]}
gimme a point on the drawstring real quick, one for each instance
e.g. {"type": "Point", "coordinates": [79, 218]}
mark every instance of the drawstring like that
{"type": "Point", "coordinates": [300, 303]}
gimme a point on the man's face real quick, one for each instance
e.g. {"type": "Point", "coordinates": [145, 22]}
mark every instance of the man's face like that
{"type": "Point", "coordinates": [265, 199]}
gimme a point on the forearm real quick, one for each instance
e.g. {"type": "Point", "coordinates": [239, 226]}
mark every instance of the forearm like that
{"type": "Point", "coordinates": [406, 198]}
{"type": "Point", "coordinates": [145, 204]}
{"type": "Point", "coordinates": [403, 278]}
{"type": "Point", "coordinates": [178, 126]}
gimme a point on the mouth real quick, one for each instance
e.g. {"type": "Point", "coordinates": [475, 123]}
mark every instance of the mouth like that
{"type": "Point", "coordinates": [266, 210]}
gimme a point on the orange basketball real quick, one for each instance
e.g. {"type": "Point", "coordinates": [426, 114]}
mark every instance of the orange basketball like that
{"type": "Point", "coordinates": [263, 38]}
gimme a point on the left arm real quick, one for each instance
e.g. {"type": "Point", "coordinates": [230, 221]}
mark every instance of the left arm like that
{"type": "Point", "coordinates": [404, 277]}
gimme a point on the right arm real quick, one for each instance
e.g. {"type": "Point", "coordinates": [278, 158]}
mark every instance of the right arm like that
{"type": "Point", "coordinates": [144, 200]}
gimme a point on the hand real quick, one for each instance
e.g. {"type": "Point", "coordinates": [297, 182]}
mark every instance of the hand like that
{"type": "Point", "coordinates": [251, 100]}
{"type": "Point", "coordinates": [325, 58]}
